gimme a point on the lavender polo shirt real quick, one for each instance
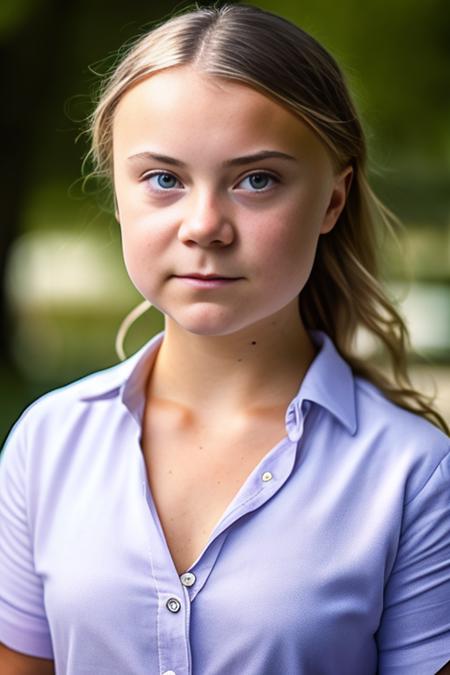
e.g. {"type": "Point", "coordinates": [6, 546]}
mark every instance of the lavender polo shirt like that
{"type": "Point", "coordinates": [332, 559]}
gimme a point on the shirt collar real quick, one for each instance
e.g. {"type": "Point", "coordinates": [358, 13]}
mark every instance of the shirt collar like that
{"type": "Point", "coordinates": [129, 375]}
{"type": "Point", "coordinates": [328, 383]}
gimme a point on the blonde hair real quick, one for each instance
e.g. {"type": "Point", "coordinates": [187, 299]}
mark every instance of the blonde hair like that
{"type": "Point", "coordinates": [272, 55]}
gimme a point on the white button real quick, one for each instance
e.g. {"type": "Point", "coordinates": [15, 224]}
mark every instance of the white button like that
{"type": "Point", "coordinates": [169, 672]}
{"type": "Point", "coordinates": [188, 579]}
{"type": "Point", "coordinates": [173, 605]}
{"type": "Point", "coordinates": [267, 476]}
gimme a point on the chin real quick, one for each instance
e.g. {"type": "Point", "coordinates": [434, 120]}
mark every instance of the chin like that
{"type": "Point", "coordinates": [207, 330]}
{"type": "Point", "coordinates": [208, 323]}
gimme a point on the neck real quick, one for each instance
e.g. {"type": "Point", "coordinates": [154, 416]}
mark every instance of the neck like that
{"type": "Point", "coordinates": [259, 366]}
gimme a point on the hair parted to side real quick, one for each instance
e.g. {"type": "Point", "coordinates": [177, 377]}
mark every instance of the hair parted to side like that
{"type": "Point", "coordinates": [274, 56]}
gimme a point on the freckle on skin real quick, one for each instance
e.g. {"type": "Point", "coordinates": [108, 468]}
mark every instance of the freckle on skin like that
{"type": "Point", "coordinates": [239, 360]}
{"type": "Point", "coordinates": [253, 342]}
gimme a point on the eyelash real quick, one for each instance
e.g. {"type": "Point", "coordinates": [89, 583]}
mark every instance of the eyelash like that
{"type": "Point", "coordinates": [152, 174]}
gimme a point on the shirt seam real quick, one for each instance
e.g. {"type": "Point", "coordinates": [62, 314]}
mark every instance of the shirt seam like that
{"type": "Point", "coordinates": [246, 501]}
{"type": "Point", "coordinates": [187, 622]}
{"type": "Point", "coordinates": [420, 490]}
{"type": "Point", "coordinates": [23, 446]}
{"type": "Point", "coordinates": [26, 492]}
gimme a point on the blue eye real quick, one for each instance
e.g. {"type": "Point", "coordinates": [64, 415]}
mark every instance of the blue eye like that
{"type": "Point", "coordinates": [164, 181]}
{"type": "Point", "coordinates": [259, 180]}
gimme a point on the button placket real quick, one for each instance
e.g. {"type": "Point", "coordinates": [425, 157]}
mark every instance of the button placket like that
{"type": "Point", "coordinates": [173, 638]}
{"type": "Point", "coordinates": [173, 609]}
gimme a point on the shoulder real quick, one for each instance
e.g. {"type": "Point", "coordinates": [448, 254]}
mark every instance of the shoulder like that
{"type": "Point", "coordinates": [66, 405]}
{"type": "Point", "coordinates": [60, 434]}
{"type": "Point", "coordinates": [376, 411]}
{"type": "Point", "coordinates": [397, 437]}
{"type": "Point", "coordinates": [92, 392]}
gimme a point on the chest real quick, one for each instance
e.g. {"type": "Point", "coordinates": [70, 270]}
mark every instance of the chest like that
{"type": "Point", "coordinates": [195, 471]}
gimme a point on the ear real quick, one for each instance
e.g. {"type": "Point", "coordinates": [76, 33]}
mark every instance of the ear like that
{"type": "Point", "coordinates": [341, 188]}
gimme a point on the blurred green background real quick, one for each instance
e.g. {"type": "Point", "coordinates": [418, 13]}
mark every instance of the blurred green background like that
{"type": "Point", "coordinates": [63, 287]}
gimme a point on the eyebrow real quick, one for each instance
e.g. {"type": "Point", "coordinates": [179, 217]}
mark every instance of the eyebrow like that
{"type": "Point", "coordinates": [236, 161]}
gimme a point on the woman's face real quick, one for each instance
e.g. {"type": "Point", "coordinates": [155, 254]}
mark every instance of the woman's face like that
{"type": "Point", "coordinates": [221, 195]}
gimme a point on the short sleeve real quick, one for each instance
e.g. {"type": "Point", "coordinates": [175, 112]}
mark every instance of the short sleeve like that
{"type": "Point", "coordinates": [414, 635]}
{"type": "Point", "coordinates": [23, 623]}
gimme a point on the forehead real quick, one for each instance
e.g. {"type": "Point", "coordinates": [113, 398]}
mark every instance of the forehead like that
{"type": "Point", "coordinates": [181, 105]}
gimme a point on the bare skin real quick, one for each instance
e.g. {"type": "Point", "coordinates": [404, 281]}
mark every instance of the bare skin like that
{"type": "Point", "coordinates": [195, 470]}
{"type": "Point", "coordinates": [15, 663]}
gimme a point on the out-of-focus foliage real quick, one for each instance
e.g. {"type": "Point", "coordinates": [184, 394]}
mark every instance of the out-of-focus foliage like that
{"type": "Point", "coordinates": [12, 14]}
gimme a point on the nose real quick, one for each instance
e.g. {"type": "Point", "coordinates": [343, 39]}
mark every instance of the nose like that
{"type": "Point", "coordinates": [206, 223]}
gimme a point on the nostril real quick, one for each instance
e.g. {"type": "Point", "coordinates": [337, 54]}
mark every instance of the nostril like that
{"type": "Point", "coordinates": [216, 234]}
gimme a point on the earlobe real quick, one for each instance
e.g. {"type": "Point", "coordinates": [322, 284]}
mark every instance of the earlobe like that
{"type": "Point", "coordinates": [341, 189]}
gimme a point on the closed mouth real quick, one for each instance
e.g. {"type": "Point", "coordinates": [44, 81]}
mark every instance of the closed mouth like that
{"type": "Point", "coordinates": [206, 277]}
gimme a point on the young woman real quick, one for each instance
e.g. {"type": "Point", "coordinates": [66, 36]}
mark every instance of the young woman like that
{"type": "Point", "coordinates": [244, 495]}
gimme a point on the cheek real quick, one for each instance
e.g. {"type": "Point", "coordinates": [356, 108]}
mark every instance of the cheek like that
{"type": "Point", "coordinates": [144, 233]}
{"type": "Point", "coordinates": [286, 243]}
{"type": "Point", "coordinates": [135, 263]}
{"type": "Point", "coordinates": [292, 266]}
{"type": "Point", "coordinates": [142, 227]}
{"type": "Point", "coordinates": [142, 247]}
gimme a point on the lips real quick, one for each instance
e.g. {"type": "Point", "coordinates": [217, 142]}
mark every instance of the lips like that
{"type": "Point", "coordinates": [206, 282]}
{"type": "Point", "coordinates": [205, 277]}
